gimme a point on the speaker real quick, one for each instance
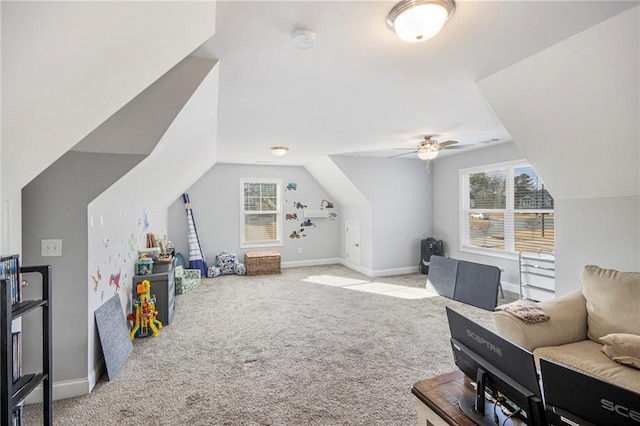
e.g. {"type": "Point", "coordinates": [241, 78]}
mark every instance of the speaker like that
{"type": "Point", "coordinates": [429, 247]}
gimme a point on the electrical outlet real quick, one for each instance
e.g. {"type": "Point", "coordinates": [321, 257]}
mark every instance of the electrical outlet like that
{"type": "Point", "coordinates": [299, 250]}
{"type": "Point", "coordinates": [51, 248]}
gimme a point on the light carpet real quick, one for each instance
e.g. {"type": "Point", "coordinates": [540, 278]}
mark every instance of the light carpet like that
{"type": "Point", "coordinates": [278, 350]}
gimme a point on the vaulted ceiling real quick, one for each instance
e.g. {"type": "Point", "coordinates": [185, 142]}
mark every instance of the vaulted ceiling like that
{"type": "Point", "coordinates": [361, 90]}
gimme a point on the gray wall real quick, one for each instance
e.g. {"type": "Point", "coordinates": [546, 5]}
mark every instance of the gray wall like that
{"type": "Point", "coordinates": [399, 193]}
{"type": "Point", "coordinates": [54, 206]}
{"type": "Point", "coordinates": [215, 199]}
{"type": "Point", "coordinates": [399, 214]}
{"type": "Point", "coordinates": [446, 203]}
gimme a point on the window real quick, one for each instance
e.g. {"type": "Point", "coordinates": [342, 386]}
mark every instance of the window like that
{"type": "Point", "coordinates": [261, 212]}
{"type": "Point", "coordinates": [505, 208]}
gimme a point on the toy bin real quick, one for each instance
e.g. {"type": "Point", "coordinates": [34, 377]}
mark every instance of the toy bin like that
{"type": "Point", "coordinates": [145, 266]}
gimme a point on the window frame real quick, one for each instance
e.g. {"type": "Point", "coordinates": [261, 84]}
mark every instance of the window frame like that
{"type": "Point", "coordinates": [278, 213]}
{"type": "Point", "coordinates": [509, 212]}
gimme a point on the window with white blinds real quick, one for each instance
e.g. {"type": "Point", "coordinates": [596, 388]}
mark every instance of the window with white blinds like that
{"type": "Point", "coordinates": [261, 212]}
{"type": "Point", "coordinates": [505, 208]}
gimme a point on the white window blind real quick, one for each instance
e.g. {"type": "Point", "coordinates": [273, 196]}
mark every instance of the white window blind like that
{"type": "Point", "coordinates": [261, 212]}
{"type": "Point", "coordinates": [505, 208]}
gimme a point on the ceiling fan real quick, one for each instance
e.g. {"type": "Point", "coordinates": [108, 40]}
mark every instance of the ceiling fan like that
{"type": "Point", "coordinates": [428, 148]}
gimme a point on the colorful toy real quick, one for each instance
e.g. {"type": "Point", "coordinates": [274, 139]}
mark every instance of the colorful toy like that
{"type": "Point", "coordinates": [145, 315]}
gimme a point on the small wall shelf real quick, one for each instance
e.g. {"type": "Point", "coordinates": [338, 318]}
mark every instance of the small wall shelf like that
{"type": "Point", "coordinates": [315, 213]}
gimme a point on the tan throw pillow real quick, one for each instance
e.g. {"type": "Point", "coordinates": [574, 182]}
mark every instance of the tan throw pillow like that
{"type": "Point", "coordinates": [612, 298]}
{"type": "Point", "coordinates": [622, 348]}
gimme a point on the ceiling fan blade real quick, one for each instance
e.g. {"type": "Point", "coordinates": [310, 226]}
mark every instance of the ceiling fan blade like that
{"type": "Point", "coordinates": [447, 143]}
{"type": "Point", "coordinates": [404, 153]}
{"type": "Point", "coordinates": [405, 149]}
{"type": "Point", "coordinates": [459, 146]}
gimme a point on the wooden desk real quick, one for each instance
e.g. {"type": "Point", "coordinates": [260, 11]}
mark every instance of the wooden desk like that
{"type": "Point", "coordinates": [438, 400]}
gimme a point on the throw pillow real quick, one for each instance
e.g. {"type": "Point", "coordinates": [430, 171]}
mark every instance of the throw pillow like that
{"type": "Point", "coordinates": [622, 348]}
{"type": "Point", "coordinates": [612, 301]}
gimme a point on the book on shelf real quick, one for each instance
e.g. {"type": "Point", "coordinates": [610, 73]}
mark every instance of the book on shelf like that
{"type": "Point", "coordinates": [16, 342]}
{"type": "Point", "coordinates": [16, 418]}
{"type": "Point", "coordinates": [10, 271]}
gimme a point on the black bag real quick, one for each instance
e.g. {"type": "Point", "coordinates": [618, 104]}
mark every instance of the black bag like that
{"type": "Point", "coordinates": [429, 247]}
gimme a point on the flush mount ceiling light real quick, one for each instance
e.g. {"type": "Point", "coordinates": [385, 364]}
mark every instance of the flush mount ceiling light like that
{"type": "Point", "coordinates": [419, 20]}
{"type": "Point", "coordinates": [279, 151]}
{"type": "Point", "coordinates": [303, 38]}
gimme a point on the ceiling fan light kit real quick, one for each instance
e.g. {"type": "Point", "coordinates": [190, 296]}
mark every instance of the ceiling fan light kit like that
{"type": "Point", "coordinates": [428, 154]}
{"type": "Point", "coordinates": [416, 21]}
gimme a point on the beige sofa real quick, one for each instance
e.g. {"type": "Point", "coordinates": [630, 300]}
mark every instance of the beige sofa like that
{"type": "Point", "coordinates": [604, 314]}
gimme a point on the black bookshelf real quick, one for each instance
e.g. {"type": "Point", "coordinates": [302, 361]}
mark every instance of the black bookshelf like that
{"type": "Point", "coordinates": [16, 389]}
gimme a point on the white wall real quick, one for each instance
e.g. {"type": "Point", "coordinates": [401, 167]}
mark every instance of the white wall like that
{"type": "Point", "coordinates": [446, 204]}
{"type": "Point", "coordinates": [147, 190]}
{"type": "Point", "coordinates": [573, 111]}
{"type": "Point", "coordinates": [106, 220]}
{"type": "Point", "coordinates": [215, 200]}
{"type": "Point", "coordinates": [66, 68]}
{"type": "Point", "coordinates": [399, 192]}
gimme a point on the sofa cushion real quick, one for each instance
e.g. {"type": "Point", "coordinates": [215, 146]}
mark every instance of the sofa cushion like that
{"type": "Point", "coordinates": [622, 348]}
{"type": "Point", "coordinates": [612, 300]}
{"type": "Point", "coordinates": [587, 356]}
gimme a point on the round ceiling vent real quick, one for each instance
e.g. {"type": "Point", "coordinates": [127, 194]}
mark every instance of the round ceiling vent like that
{"type": "Point", "coordinates": [303, 38]}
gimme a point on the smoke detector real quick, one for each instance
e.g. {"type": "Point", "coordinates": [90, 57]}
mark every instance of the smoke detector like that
{"type": "Point", "coordinates": [303, 38]}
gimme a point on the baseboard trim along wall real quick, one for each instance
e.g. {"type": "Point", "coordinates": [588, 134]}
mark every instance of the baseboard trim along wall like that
{"type": "Point", "coordinates": [316, 262]}
{"type": "Point", "coordinates": [61, 390]}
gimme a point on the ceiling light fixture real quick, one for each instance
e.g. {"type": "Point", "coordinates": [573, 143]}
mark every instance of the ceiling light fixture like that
{"type": "Point", "coordinates": [279, 151]}
{"type": "Point", "coordinates": [428, 154]}
{"type": "Point", "coordinates": [303, 38]}
{"type": "Point", "coordinates": [419, 20]}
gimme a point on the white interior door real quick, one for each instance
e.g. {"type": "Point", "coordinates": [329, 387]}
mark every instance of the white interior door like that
{"type": "Point", "coordinates": [352, 233]}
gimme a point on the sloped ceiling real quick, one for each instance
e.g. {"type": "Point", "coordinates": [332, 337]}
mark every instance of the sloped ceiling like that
{"type": "Point", "coordinates": [360, 89]}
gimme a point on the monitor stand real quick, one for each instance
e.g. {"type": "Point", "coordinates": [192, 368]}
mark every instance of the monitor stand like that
{"type": "Point", "coordinates": [467, 404]}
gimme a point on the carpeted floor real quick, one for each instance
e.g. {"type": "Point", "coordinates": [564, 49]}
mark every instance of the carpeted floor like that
{"type": "Point", "coordinates": [278, 350]}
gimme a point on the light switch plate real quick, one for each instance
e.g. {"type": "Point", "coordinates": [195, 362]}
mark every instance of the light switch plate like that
{"type": "Point", "coordinates": [51, 248]}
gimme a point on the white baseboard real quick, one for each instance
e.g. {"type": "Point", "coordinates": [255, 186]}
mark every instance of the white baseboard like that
{"type": "Point", "coordinates": [314, 262]}
{"type": "Point", "coordinates": [396, 271]}
{"type": "Point", "coordinates": [381, 272]}
{"type": "Point", "coordinates": [514, 288]}
{"type": "Point", "coordinates": [357, 268]}
{"type": "Point", "coordinates": [69, 388]}
{"type": "Point", "coordinates": [61, 390]}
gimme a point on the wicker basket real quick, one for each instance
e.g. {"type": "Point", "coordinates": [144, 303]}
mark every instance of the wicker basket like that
{"type": "Point", "coordinates": [262, 262]}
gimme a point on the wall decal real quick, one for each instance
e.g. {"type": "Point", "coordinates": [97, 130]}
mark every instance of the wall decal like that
{"type": "Point", "coordinates": [96, 279]}
{"type": "Point", "coordinates": [297, 234]}
{"type": "Point", "coordinates": [308, 223]}
{"type": "Point", "coordinates": [95, 282]}
{"type": "Point", "coordinates": [291, 216]}
{"type": "Point", "coordinates": [145, 220]}
{"type": "Point", "coordinates": [298, 205]}
{"type": "Point", "coordinates": [292, 186]}
{"type": "Point", "coordinates": [326, 204]}
{"type": "Point", "coordinates": [333, 216]}
{"type": "Point", "coordinates": [114, 280]}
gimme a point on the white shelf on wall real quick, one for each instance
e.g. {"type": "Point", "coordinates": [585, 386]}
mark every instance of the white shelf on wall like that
{"type": "Point", "coordinates": [315, 213]}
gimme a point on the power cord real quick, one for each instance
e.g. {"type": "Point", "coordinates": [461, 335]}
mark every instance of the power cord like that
{"type": "Point", "coordinates": [511, 415]}
{"type": "Point", "coordinates": [499, 401]}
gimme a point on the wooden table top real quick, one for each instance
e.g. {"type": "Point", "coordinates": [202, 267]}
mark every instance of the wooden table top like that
{"type": "Point", "coordinates": [441, 394]}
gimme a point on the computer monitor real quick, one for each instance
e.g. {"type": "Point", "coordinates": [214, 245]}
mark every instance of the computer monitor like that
{"type": "Point", "coordinates": [577, 399]}
{"type": "Point", "coordinates": [500, 368]}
